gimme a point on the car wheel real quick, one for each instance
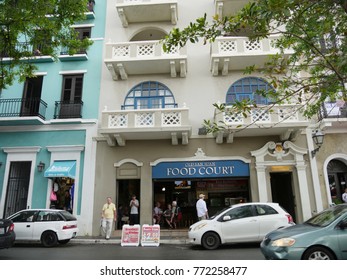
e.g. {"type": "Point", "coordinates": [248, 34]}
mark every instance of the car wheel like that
{"type": "Point", "coordinates": [65, 241]}
{"type": "Point", "coordinates": [210, 241]}
{"type": "Point", "coordinates": [49, 239]}
{"type": "Point", "coordinates": [318, 253]}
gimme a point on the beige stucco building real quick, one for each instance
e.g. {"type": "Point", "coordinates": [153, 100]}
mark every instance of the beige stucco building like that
{"type": "Point", "coordinates": [151, 140]}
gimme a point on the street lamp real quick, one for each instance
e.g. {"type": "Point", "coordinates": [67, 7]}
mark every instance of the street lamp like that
{"type": "Point", "coordinates": [40, 166]}
{"type": "Point", "coordinates": [318, 138]}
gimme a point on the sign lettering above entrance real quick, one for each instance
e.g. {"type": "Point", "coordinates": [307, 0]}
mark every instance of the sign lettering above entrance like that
{"type": "Point", "coordinates": [201, 169]}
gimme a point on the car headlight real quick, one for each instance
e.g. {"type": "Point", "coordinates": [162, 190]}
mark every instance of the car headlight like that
{"type": "Point", "coordinates": [200, 226]}
{"type": "Point", "coordinates": [283, 242]}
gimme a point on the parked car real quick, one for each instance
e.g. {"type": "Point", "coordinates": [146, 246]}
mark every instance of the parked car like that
{"type": "Point", "coordinates": [239, 223]}
{"type": "Point", "coordinates": [48, 226]}
{"type": "Point", "coordinates": [7, 234]}
{"type": "Point", "coordinates": [322, 237]}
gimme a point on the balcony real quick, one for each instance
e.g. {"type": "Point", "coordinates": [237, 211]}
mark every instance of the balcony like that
{"type": "Point", "coordinates": [18, 111]}
{"type": "Point", "coordinates": [333, 116]}
{"type": "Point", "coordinates": [150, 124]}
{"type": "Point", "coordinates": [286, 121]}
{"type": "Point", "coordinates": [140, 11]}
{"type": "Point", "coordinates": [237, 53]}
{"type": "Point", "coordinates": [81, 55]}
{"type": "Point", "coordinates": [144, 57]}
{"type": "Point", "coordinates": [228, 7]}
{"type": "Point", "coordinates": [68, 109]}
{"type": "Point", "coordinates": [30, 53]}
{"type": "Point", "coordinates": [90, 14]}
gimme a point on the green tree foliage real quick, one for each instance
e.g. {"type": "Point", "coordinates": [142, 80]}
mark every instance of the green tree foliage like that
{"type": "Point", "coordinates": [31, 28]}
{"type": "Point", "coordinates": [316, 32]}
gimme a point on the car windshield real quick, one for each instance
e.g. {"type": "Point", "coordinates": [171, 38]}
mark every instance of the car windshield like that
{"type": "Point", "coordinates": [326, 217]}
{"type": "Point", "coordinates": [68, 216]}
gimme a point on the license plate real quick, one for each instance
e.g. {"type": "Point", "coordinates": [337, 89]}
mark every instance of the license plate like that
{"type": "Point", "coordinates": [2, 230]}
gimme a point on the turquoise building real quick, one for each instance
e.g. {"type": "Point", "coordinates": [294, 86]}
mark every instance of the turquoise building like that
{"type": "Point", "coordinates": [47, 125]}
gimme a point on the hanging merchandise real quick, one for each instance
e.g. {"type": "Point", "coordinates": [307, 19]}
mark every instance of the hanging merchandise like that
{"type": "Point", "coordinates": [53, 196]}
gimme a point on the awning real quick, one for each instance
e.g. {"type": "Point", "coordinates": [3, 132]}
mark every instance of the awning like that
{"type": "Point", "coordinates": [62, 169]}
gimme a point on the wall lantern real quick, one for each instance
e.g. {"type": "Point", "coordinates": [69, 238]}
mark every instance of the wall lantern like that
{"type": "Point", "coordinates": [318, 138]}
{"type": "Point", "coordinates": [40, 166]}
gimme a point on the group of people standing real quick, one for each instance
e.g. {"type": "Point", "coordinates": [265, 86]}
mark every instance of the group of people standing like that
{"type": "Point", "coordinates": [171, 216]}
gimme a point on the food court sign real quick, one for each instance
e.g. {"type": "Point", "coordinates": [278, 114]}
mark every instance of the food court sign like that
{"type": "Point", "coordinates": [201, 169]}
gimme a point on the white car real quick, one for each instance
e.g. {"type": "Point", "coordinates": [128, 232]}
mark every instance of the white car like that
{"type": "Point", "coordinates": [48, 226]}
{"type": "Point", "coordinates": [239, 223]}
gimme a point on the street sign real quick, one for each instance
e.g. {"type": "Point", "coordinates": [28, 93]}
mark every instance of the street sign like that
{"type": "Point", "coordinates": [130, 235]}
{"type": "Point", "coordinates": [150, 235]}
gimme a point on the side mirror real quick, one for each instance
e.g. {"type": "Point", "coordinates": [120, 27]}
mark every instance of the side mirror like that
{"type": "Point", "coordinates": [226, 218]}
{"type": "Point", "coordinates": [342, 224]}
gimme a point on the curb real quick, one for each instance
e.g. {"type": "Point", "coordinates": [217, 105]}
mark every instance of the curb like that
{"type": "Point", "coordinates": [118, 241]}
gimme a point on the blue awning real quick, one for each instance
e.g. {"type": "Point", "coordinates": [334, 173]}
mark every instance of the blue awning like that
{"type": "Point", "coordinates": [62, 169]}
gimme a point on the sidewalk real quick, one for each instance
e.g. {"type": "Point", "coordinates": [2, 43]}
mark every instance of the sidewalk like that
{"type": "Point", "coordinates": [174, 236]}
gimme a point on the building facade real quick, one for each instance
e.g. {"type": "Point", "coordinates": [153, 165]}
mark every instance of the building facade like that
{"type": "Point", "coordinates": [47, 125]}
{"type": "Point", "coordinates": [151, 141]}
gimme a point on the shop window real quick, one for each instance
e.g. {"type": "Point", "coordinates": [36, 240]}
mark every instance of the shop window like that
{"type": "Point", "coordinates": [149, 95]}
{"type": "Point", "coordinates": [249, 88]}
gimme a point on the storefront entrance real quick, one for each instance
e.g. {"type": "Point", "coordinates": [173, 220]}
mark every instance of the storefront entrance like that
{"type": "Point", "coordinates": [219, 193]}
{"type": "Point", "coordinates": [125, 189]}
{"type": "Point", "coordinates": [282, 191]}
{"type": "Point", "coordinates": [223, 180]}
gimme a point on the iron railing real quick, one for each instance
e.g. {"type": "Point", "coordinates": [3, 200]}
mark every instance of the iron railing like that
{"type": "Point", "coordinates": [332, 110]}
{"type": "Point", "coordinates": [68, 109]}
{"type": "Point", "coordinates": [23, 107]}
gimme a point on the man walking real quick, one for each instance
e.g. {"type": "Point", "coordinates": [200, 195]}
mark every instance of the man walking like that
{"type": "Point", "coordinates": [201, 208]}
{"type": "Point", "coordinates": [109, 214]}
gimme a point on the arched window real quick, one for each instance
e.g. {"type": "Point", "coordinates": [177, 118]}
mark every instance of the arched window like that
{"type": "Point", "coordinates": [246, 88]}
{"type": "Point", "coordinates": [149, 95]}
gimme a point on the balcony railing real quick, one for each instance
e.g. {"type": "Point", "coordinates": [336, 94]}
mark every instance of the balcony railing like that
{"type": "Point", "coordinates": [277, 114]}
{"type": "Point", "coordinates": [283, 120]}
{"type": "Point", "coordinates": [144, 57]}
{"type": "Point", "coordinates": [23, 107]}
{"type": "Point", "coordinates": [38, 53]}
{"type": "Point", "coordinates": [68, 109]}
{"type": "Point", "coordinates": [79, 55]}
{"type": "Point", "coordinates": [333, 110]}
{"type": "Point", "coordinates": [236, 53]}
{"type": "Point", "coordinates": [163, 123]}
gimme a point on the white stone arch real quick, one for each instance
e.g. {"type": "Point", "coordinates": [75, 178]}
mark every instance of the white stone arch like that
{"type": "Point", "coordinates": [128, 160]}
{"type": "Point", "coordinates": [337, 156]}
{"type": "Point", "coordinates": [278, 154]}
{"type": "Point", "coordinates": [147, 33]}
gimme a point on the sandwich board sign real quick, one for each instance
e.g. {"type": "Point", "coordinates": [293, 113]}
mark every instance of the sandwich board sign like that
{"type": "Point", "coordinates": [130, 235]}
{"type": "Point", "coordinates": [150, 235]}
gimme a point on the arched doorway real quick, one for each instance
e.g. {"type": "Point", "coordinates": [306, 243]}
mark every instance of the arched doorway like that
{"type": "Point", "coordinates": [337, 176]}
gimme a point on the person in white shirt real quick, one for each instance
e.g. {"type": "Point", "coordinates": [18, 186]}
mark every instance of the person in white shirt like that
{"type": "Point", "coordinates": [201, 208]}
{"type": "Point", "coordinates": [344, 196]}
{"type": "Point", "coordinates": [134, 211]}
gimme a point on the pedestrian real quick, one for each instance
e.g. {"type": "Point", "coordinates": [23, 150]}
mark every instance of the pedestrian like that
{"type": "Point", "coordinates": [157, 213]}
{"type": "Point", "coordinates": [201, 208]}
{"type": "Point", "coordinates": [109, 215]}
{"type": "Point", "coordinates": [344, 196]}
{"type": "Point", "coordinates": [134, 210]}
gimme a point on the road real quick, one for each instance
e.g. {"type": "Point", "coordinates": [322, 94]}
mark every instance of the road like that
{"type": "Point", "coordinates": [74, 251]}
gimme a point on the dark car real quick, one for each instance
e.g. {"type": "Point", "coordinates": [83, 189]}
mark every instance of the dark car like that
{"type": "Point", "coordinates": [7, 235]}
{"type": "Point", "coordinates": [322, 237]}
